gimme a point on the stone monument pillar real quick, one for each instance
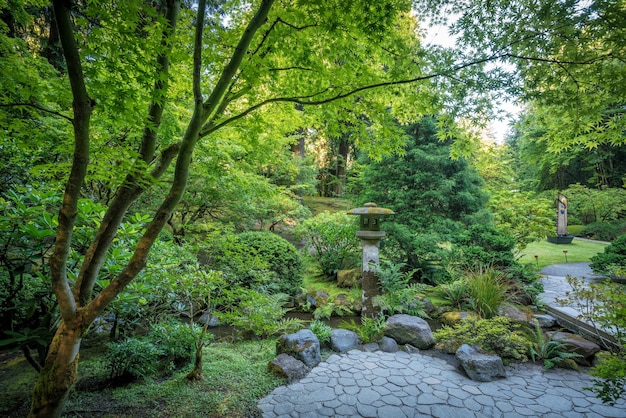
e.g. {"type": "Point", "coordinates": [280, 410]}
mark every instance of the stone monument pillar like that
{"type": "Point", "coordinates": [562, 237]}
{"type": "Point", "coordinates": [561, 216]}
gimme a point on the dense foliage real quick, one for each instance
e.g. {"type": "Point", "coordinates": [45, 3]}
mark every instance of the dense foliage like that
{"type": "Point", "coordinates": [432, 195]}
{"type": "Point", "coordinates": [331, 240]}
{"type": "Point", "coordinates": [613, 260]}
{"type": "Point", "coordinates": [165, 115]}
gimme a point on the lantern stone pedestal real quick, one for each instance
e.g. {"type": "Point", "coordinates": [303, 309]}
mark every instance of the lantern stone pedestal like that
{"type": "Point", "coordinates": [370, 235]}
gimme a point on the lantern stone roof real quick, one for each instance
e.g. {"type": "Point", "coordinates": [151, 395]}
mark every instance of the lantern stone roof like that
{"type": "Point", "coordinates": [370, 208]}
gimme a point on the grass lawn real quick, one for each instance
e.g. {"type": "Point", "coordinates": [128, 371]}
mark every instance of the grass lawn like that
{"type": "Point", "coordinates": [548, 253]}
{"type": "Point", "coordinates": [235, 378]}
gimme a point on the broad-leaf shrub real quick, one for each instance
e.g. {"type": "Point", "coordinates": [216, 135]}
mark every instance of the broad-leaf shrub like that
{"type": "Point", "coordinates": [176, 340]}
{"type": "Point", "coordinates": [132, 358]}
{"type": "Point", "coordinates": [331, 240]}
{"type": "Point", "coordinates": [498, 336]}
{"type": "Point", "coordinates": [27, 230]}
{"type": "Point", "coordinates": [613, 257]}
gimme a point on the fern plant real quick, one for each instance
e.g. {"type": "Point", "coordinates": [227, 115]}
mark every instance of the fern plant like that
{"type": "Point", "coordinates": [370, 330]}
{"type": "Point", "coordinates": [398, 296]}
{"type": "Point", "coordinates": [321, 330]}
{"type": "Point", "coordinates": [552, 352]}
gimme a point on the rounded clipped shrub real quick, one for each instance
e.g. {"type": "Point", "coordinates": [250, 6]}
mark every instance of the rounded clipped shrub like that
{"type": "Point", "coordinates": [282, 259]}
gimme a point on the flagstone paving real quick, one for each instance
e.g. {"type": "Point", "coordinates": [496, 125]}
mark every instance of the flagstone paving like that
{"type": "Point", "coordinates": [397, 385]}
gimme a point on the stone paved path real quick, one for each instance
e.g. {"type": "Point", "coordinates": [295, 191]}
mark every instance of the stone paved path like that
{"type": "Point", "coordinates": [396, 385]}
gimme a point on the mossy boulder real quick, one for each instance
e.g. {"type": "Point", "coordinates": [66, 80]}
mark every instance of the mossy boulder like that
{"type": "Point", "coordinates": [454, 317]}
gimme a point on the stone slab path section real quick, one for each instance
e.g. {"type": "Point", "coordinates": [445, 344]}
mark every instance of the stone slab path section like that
{"type": "Point", "coordinates": [397, 385]}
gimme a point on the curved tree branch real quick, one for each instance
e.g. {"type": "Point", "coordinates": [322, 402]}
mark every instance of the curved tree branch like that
{"type": "Point", "coordinates": [82, 106]}
{"type": "Point", "coordinates": [135, 182]}
{"type": "Point", "coordinates": [43, 109]}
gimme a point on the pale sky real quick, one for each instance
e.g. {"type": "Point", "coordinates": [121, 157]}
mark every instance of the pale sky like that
{"type": "Point", "coordinates": [439, 35]}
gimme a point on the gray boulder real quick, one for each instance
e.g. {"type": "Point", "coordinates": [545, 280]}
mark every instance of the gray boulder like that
{"type": "Point", "coordinates": [343, 340]}
{"type": "Point", "coordinates": [545, 321]}
{"type": "Point", "coordinates": [479, 365]}
{"type": "Point", "coordinates": [388, 345]}
{"type": "Point", "coordinates": [288, 367]}
{"type": "Point", "coordinates": [407, 329]}
{"type": "Point", "coordinates": [370, 347]}
{"type": "Point", "coordinates": [303, 346]}
{"type": "Point", "coordinates": [513, 313]}
{"type": "Point", "coordinates": [209, 320]}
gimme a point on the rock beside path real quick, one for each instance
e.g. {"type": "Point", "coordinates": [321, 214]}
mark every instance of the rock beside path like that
{"type": "Point", "coordinates": [407, 329]}
{"type": "Point", "coordinates": [478, 365]}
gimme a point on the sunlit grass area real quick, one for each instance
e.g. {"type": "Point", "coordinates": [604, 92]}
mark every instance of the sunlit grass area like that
{"type": "Point", "coordinates": [544, 253]}
{"type": "Point", "coordinates": [317, 204]}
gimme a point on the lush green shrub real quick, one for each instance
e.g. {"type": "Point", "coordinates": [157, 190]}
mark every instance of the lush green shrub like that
{"type": "Point", "coordinates": [604, 305]}
{"type": "Point", "coordinates": [331, 240]}
{"type": "Point", "coordinates": [241, 265]}
{"type": "Point", "coordinates": [609, 376]}
{"type": "Point", "coordinates": [176, 340]}
{"type": "Point", "coordinates": [282, 259]}
{"type": "Point", "coordinates": [132, 358]}
{"type": "Point", "coordinates": [614, 256]}
{"type": "Point", "coordinates": [604, 231]}
{"type": "Point", "coordinates": [483, 245]}
{"type": "Point", "coordinates": [497, 335]}
{"type": "Point", "coordinates": [259, 315]}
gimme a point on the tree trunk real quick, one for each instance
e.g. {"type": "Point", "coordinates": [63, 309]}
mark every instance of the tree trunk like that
{"type": "Point", "coordinates": [196, 373]}
{"type": "Point", "coordinates": [59, 374]}
{"type": "Point", "coordinates": [340, 171]}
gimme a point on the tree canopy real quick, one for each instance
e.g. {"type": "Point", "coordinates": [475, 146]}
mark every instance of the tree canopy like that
{"type": "Point", "coordinates": [118, 101]}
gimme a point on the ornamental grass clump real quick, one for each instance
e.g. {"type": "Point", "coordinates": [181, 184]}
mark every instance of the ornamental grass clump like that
{"type": "Point", "coordinates": [487, 291]}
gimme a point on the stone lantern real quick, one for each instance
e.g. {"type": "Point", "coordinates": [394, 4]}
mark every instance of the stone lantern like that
{"type": "Point", "coordinates": [370, 235]}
